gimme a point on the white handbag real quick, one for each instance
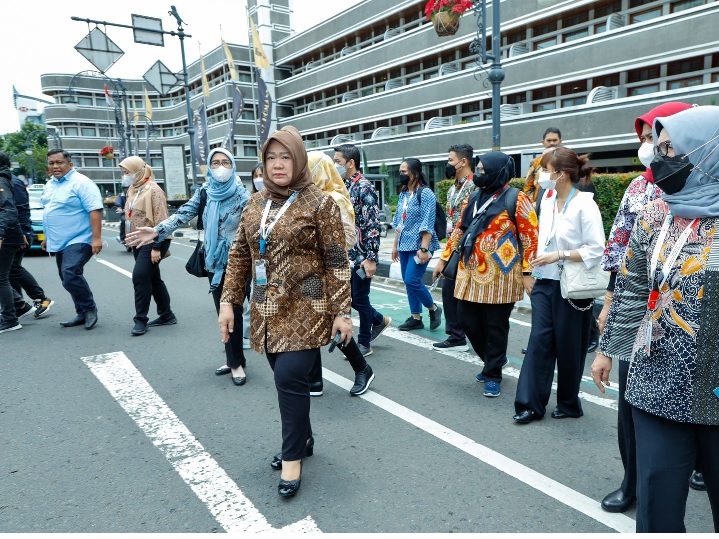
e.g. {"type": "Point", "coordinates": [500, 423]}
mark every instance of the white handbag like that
{"type": "Point", "coordinates": [579, 282]}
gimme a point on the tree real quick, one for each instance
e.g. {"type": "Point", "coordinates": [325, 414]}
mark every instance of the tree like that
{"type": "Point", "coordinates": [31, 164]}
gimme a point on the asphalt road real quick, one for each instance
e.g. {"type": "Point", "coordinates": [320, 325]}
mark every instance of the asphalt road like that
{"type": "Point", "coordinates": [104, 432]}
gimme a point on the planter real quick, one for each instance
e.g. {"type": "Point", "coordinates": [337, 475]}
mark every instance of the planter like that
{"type": "Point", "coordinates": [108, 156]}
{"type": "Point", "coordinates": [446, 23]}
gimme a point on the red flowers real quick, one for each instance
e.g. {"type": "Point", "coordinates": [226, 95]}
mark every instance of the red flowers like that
{"type": "Point", "coordinates": [450, 6]}
{"type": "Point", "coordinates": [107, 150]}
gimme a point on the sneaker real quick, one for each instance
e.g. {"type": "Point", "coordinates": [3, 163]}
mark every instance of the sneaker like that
{"type": "Point", "coordinates": [316, 389]}
{"type": "Point", "coordinates": [366, 350]}
{"type": "Point", "coordinates": [362, 381]}
{"type": "Point", "coordinates": [457, 346]}
{"type": "Point", "coordinates": [166, 321]}
{"type": "Point", "coordinates": [9, 326]}
{"type": "Point", "coordinates": [245, 343]}
{"type": "Point", "coordinates": [491, 389]}
{"type": "Point", "coordinates": [379, 328]}
{"type": "Point", "coordinates": [42, 306]}
{"type": "Point", "coordinates": [480, 376]}
{"type": "Point", "coordinates": [435, 318]}
{"type": "Point", "coordinates": [24, 310]}
{"type": "Point", "coordinates": [412, 323]}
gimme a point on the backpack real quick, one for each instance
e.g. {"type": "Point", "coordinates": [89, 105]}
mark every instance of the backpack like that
{"type": "Point", "coordinates": [440, 218]}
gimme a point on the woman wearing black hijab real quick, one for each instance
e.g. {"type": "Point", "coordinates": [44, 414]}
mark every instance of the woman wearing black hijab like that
{"type": "Point", "coordinates": [496, 237]}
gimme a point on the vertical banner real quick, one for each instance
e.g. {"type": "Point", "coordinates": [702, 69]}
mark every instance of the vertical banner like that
{"type": "Point", "coordinates": [147, 141]}
{"type": "Point", "coordinates": [238, 101]}
{"type": "Point", "coordinates": [202, 146]}
{"type": "Point", "coordinates": [230, 62]}
{"type": "Point", "coordinates": [260, 56]}
{"type": "Point", "coordinates": [148, 105]}
{"type": "Point", "coordinates": [205, 83]}
{"type": "Point", "coordinates": [264, 108]}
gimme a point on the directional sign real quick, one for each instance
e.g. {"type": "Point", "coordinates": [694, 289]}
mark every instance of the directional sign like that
{"type": "Point", "coordinates": [99, 49]}
{"type": "Point", "coordinates": [161, 78]}
{"type": "Point", "coordinates": [147, 30]}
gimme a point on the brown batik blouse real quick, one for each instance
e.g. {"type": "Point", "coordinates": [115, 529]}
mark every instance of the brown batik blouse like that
{"type": "Point", "coordinates": [308, 276]}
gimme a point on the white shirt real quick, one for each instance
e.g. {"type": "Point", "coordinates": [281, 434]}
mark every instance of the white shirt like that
{"type": "Point", "coordinates": [578, 227]}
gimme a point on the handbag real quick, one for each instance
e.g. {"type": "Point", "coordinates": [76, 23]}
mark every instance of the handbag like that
{"type": "Point", "coordinates": [452, 265]}
{"type": "Point", "coordinates": [196, 263]}
{"type": "Point", "coordinates": [576, 281]}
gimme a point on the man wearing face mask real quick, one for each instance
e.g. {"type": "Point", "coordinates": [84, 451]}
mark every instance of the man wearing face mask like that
{"type": "Point", "coordinates": [459, 168]}
{"type": "Point", "coordinates": [489, 283]}
{"type": "Point", "coordinates": [641, 191]}
{"type": "Point", "coordinates": [364, 255]}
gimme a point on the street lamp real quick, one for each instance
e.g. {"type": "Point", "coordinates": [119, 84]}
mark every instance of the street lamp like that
{"type": "Point", "coordinates": [29, 152]}
{"type": "Point", "coordinates": [150, 130]}
{"type": "Point", "coordinates": [119, 94]}
{"type": "Point", "coordinates": [495, 74]}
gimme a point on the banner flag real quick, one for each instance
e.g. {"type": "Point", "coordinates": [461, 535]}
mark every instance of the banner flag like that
{"type": "Point", "coordinates": [264, 108]}
{"type": "Point", "coordinates": [230, 62]}
{"type": "Point", "coordinates": [260, 56]}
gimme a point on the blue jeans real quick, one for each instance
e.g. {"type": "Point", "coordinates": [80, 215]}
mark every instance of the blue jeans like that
{"type": "Point", "coordinates": [417, 293]}
{"type": "Point", "coordinates": [368, 316]}
{"type": "Point", "coordinates": [70, 264]}
{"type": "Point", "coordinates": [7, 293]}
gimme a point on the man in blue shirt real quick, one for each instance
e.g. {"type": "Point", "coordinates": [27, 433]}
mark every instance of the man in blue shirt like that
{"type": "Point", "coordinates": [72, 219]}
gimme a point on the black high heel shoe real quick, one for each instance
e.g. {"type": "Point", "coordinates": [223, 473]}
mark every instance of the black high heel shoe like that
{"type": "Point", "coordinates": [287, 489]}
{"type": "Point", "coordinates": [276, 463]}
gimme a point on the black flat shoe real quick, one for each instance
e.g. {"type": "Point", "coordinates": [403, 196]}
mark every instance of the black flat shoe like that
{"type": "Point", "coordinates": [90, 319]}
{"type": "Point", "coordinates": [223, 370]}
{"type": "Point", "coordinates": [558, 414]}
{"type": "Point", "coordinates": [617, 502]}
{"type": "Point", "coordinates": [79, 320]}
{"type": "Point", "coordinates": [276, 463]}
{"type": "Point", "coordinates": [239, 380]}
{"type": "Point", "coordinates": [697, 481]}
{"type": "Point", "coordinates": [139, 329]}
{"type": "Point", "coordinates": [525, 416]}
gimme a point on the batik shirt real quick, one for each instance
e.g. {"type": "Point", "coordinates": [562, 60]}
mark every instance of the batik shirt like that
{"type": "Point", "coordinates": [674, 380]}
{"type": "Point", "coordinates": [366, 205]}
{"type": "Point", "coordinates": [457, 196]}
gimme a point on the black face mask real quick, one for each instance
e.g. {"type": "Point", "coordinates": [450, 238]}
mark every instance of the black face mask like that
{"type": "Point", "coordinates": [449, 171]}
{"type": "Point", "coordinates": [480, 179]}
{"type": "Point", "coordinates": [404, 180]}
{"type": "Point", "coordinates": [671, 173]}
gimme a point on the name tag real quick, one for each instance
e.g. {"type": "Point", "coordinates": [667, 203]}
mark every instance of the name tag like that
{"type": "Point", "coordinates": [260, 273]}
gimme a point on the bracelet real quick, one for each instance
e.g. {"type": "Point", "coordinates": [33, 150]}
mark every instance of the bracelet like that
{"type": "Point", "coordinates": [346, 316]}
{"type": "Point", "coordinates": [225, 303]}
{"type": "Point", "coordinates": [608, 297]}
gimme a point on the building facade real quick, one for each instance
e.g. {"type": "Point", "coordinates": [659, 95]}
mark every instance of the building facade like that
{"type": "Point", "coordinates": [377, 75]}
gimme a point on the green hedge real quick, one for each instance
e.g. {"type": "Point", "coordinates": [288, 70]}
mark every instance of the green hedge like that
{"type": "Point", "coordinates": [610, 189]}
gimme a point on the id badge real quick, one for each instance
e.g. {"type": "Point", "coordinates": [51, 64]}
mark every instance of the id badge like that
{"type": "Point", "coordinates": [450, 228]}
{"type": "Point", "coordinates": [399, 228]}
{"type": "Point", "coordinates": [537, 272]}
{"type": "Point", "coordinates": [260, 273]}
{"type": "Point", "coordinates": [128, 226]}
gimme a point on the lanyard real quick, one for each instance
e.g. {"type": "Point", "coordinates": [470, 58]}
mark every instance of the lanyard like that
{"type": "Point", "coordinates": [132, 204]}
{"type": "Point", "coordinates": [487, 203]}
{"type": "Point", "coordinates": [266, 230]}
{"type": "Point", "coordinates": [669, 262]}
{"type": "Point", "coordinates": [555, 223]}
{"type": "Point", "coordinates": [457, 197]}
{"type": "Point", "coordinates": [404, 208]}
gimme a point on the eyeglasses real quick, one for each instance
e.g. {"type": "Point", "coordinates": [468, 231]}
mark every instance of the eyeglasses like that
{"type": "Point", "coordinates": [663, 148]}
{"type": "Point", "coordinates": [225, 163]}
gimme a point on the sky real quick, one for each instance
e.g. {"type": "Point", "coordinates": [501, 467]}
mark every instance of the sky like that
{"type": "Point", "coordinates": [39, 37]}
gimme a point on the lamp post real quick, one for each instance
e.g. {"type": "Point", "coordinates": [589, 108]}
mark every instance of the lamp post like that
{"type": "Point", "coordinates": [150, 130]}
{"type": "Point", "coordinates": [495, 74]}
{"type": "Point", "coordinates": [119, 95]}
{"type": "Point", "coordinates": [29, 152]}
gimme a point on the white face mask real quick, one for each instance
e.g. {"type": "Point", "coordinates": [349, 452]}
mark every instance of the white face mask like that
{"type": "Point", "coordinates": [646, 153]}
{"type": "Point", "coordinates": [546, 181]}
{"type": "Point", "coordinates": [222, 174]}
{"type": "Point", "coordinates": [127, 180]}
{"type": "Point", "coordinates": [259, 184]}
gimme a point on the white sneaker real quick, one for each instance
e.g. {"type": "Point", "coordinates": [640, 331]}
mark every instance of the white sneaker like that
{"type": "Point", "coordinates": [246, 343]}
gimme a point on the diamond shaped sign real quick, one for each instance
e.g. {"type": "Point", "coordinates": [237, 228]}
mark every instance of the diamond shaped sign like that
{"type": "Point", "coordinates": [161, 78]}
{"type": "Point", "coordinates": [99, 49]}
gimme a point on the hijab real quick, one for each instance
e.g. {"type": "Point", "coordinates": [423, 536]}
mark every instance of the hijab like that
{"type": "Point", "coordinates": [142, 174]}
{"type": "Point", "coordinates": [291, 139]}
{"type": "Point", "coordinates": [220, 201]}
{"type": "Point", "coordinates": [325, 176]}
{"type": "Point", "coordinates": [499, 168]}
{"type": "Point", "coordinates": [665, 109]}
{"type": "Point", "coordinates": [694, 131]}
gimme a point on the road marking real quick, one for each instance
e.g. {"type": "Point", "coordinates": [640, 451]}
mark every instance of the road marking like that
{"type": "Point", "coordinates": [550, 487]}
{"type": "Point", "coordinates": [113, 266]}
{"type": "Point", "coordinates": [227, 503]}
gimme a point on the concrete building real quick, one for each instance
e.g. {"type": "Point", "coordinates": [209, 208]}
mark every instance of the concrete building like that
{"type": "Point", "coordinates": [379, 76]}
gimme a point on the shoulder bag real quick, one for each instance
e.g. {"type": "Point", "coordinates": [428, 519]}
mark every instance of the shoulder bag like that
{"type": "Point", "coordinates": [576, 281]}
{"type": "Point", "coordinates": [452, 265]}
{"type": "Point", "coordinates": [196, 263]}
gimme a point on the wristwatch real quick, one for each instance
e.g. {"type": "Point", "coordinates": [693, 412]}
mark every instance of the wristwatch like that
{"type": "Point", "coordinates": [423, 249]}
{"type": "Point", "coordinates": [346, 316]}
{"type": "Point", "coordinates": [566, 255]}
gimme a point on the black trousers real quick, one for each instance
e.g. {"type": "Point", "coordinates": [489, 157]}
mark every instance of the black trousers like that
{"type": "Point", "coordinates": [559, 336]}
{"type": "Point", "coordinates": [667, 452]}
{"type": "Point", "coordinates": [351, 351]}
{"type": "Point", "coordinates": [234, 353]}
{"type": "Point", "coordinates": [452, 322]}
{"type": "Point", "coordinates": [292, 380]}
{"type": "Point", "coordinates": [487, 328]}
{"type": "Point", "coordinates": [148, 283]}
{"type": "Point", "coordinates": [625, 436]}
{"type": "Point", "coordinates": [21, 279]}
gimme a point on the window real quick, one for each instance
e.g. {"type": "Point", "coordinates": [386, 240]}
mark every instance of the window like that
{"type": "Point", "coordinates": [684, 83]}
{"type": "Point", "coordinates": [539, 107]}
{"type": "Point", "coordinates": [644, 73]}
{"type": "Point", "coordinates": [104, 132]}
{"type": "Point", "coordinates": [641, 90]}
{"type": "Point", "coordinates": [638, 3]}
{"type": "Point", "coordinates": [571, 36]}
{"type": "Point", "coordinates": [574, 20]}
{"type": "Point", "coordinates": [606, 80]}
{"type": "Point", "coordinates": [545, 29]}
{"type": "Point", "coordinates": [689, 65]}
{"type": "Point", "coordinates": [249, 148]}
{"type": "Point", "coordinates": [570, 88]}
{"type": "Point", "coordinates": [544, 93]}
{"type": "Point", "coordinates": [539, 45]}
{"type": "Point", "coordinates": [686, 4]}
{"type": "Point", "coordinates": [108, 163]}
{"type": "Point", "coordinates": [70, 131]}
{"type": "Point", "coordinates": [91, 161]}
{"type": "Point", "coordinates": [156, 163]}
{"type": "Point", "coordinates": [574, 101]}
{"type": "Point", "coordinates": [645, 15]}
{"type": "Point", "coordinates": [515, 99]}
{"type": "Point", "coordinates": [85, 101]}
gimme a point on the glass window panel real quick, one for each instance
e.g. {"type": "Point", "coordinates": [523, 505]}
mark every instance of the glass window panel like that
{"type": "Point", "coordinates": [88, 131]}
{"type": "Point", "coordinates": [71, 131]}
{"type": "Point", "coordinates": [539, 45]}
{"type": "Point", "coordinates": [571, 36]}
{"type": "Point", "coordinates": [539, 107]}
{"type": "Point", "coordinates": [684, 83]}
{"type": "Point", "coordinates": [92, 161]}
{"type": "Point", "coordinates": [646, 15]}
{"type": "Point", "coordinates": [641, 90]}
